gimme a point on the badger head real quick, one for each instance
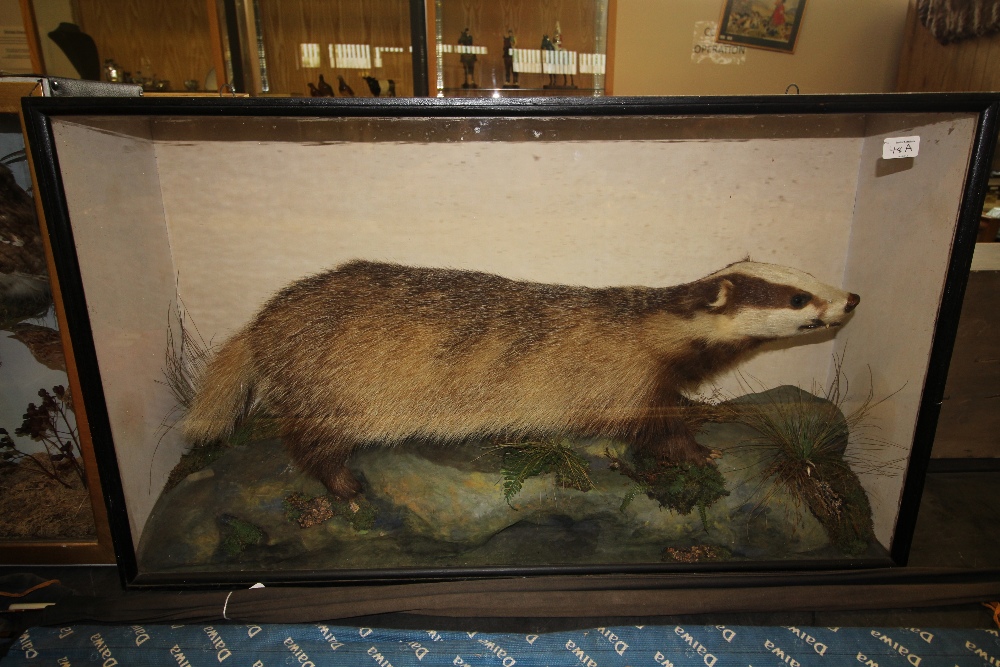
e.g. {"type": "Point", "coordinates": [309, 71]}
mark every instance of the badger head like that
{"type": "Point", "coordinates": [767, 301]}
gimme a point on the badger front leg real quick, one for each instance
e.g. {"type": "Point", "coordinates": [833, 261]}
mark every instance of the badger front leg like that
{"type": "Point", "coordinates": [664, 435]}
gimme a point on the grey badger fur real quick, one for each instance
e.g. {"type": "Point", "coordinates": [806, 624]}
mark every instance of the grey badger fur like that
{"type": "Point", "coordinates": [372, 354]}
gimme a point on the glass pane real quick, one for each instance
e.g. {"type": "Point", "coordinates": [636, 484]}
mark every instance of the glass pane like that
{"type": "Point", "coordinates": [467, 338]}
{"type": "Point", "coordinates": [520, 47]}
{"type": "Point", "coordinates": [43, 488]}
{"type": "Point", "coordinates": [339, 48]}
{"type": "Point", "coordinates": [165, 46]}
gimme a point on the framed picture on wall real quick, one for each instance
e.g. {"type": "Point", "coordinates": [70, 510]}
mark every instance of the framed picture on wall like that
{"type": "Point", "coordinates": [762, 24]}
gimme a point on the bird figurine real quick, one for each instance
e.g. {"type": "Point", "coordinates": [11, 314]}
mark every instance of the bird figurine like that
{"type": "Point", "coordinates": [325, 89]}
{"type": "Point", "coordinates": [378, 86]}
{"type": "Point", "coordinates": [344, 88]}
{"type": "Point", "coordinates": [313, 91]}
{"type": "Point", "coordinates": [24, 279]}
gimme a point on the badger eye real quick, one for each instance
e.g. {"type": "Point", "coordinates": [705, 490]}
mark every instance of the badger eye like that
{"type": "Point", "coordinates": [800, 300]}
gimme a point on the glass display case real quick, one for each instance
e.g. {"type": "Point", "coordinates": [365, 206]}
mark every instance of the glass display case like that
{"type": "Point", "coordinates": [369, 340]}
{"type": "Point", "coordinates": [320, 48]}
{"type": "Point", "coordinates": [51, 504]}
{"type": "Point", "coordinates": [519, 48]}
{"type": "Point", "coordinates": [165, 47]}
{"type": "Point", "coordinates": [342, 48]}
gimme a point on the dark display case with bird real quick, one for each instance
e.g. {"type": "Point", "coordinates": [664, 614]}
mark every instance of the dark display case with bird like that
{"type": "Point", "coordinates": [45, 495]}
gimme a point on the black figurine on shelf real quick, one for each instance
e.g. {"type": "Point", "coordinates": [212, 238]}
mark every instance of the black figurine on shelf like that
{"type": "Point", "coordinates": [325, 89]}
{"type": "Point", "coordinates": [547, 45]}
{"type": "Point", "coordinates": [378, 86]}
{"type": "Point", "coordinates": [344, 88]}
{"type": "Point", "coordinates": [79, 48]}
{"type": "Point", "coordinates": [509, 75]}
{"type": "Point", "coordinates": [557, 43]}
{"type": "Point", "coordinates": [468, 59]}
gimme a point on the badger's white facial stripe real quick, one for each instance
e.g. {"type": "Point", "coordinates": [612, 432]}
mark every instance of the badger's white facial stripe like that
{"type": "Point", "coordinates": [779, 302]}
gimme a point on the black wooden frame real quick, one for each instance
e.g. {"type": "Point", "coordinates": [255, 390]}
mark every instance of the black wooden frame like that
{"type": "Point", "coordinates": [39, 111]}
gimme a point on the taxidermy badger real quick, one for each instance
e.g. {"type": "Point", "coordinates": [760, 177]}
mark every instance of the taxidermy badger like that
{"type": "Point", "coordinates": [371, 354]}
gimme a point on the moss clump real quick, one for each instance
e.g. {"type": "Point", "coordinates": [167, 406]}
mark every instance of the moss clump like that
{"type": "Point", "coordinates": [360, 513]}
{"type": "Point", "coordinates": [239, 535]}
{"type": "Point", "coordinates": [310, 511]}
{"type": "Point", "coordinates": [306, 510]}
{"type": "Point", "coordinates": [194, 460]}
{"type": "Point", "coordinates": [523, 460]}
{"type": "Point", "coordinates": [680, 487]}
{"type": "Point", "coordinates": [698, 553]}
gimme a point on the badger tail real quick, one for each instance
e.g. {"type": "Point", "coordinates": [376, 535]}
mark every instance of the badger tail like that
{"type": "Point", "coordinates": [224, 396]}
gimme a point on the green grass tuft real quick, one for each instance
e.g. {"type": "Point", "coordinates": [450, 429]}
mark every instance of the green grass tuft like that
{"type": "Point", "coordinates": [811, 448]}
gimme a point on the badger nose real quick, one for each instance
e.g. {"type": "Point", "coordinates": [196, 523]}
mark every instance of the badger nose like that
{"type": "Point", "coordinates": [852, 301]}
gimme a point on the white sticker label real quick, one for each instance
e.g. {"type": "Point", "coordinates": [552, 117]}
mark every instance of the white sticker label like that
{"type": "Point", "coordinates": [897, 147]}
{"type": "Point", "coordinates": [706, 49]}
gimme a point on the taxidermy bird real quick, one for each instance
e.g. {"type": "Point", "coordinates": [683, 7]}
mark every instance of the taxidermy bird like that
{"type": "Point", "coordinates": [44, 344]}
{"type": "Point", "coordinates": [378, 86]}
{"type": "Point", "coordinates": [325, 89]}
{"type": "Point", "coordinates": [24, 281]}
{"type": "Point", "coordinates": [344, 88]}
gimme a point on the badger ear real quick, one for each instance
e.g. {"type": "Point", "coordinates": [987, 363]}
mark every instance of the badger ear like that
{"type": "Point", "coordinates": [722, 294]}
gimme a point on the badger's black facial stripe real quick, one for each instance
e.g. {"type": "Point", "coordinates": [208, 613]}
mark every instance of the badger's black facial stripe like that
{"type": "Point", "coordinates": [754, 292]}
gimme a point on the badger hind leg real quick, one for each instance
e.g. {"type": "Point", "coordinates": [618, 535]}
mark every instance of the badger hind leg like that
{"type": "Point", "coordinates": [324, 456]}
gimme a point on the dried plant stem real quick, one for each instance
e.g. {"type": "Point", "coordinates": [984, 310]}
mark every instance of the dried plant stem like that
{"type": "Point", "coordinates": [48, 423]}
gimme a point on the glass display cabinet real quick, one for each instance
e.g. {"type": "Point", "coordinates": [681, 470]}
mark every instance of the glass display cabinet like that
{"type": "Point", "coordinates": [519, 48]}
{"type": "Point", "coordinates": [317, 48]}
{"type": "Point", "coordinates": [51, 501]}
{"type": "Point", "coordinates": [363, 340]}
{"type": "Point", "coordinates": [165, 47]}
{"type": "Point", "coordinates": [343, 48]}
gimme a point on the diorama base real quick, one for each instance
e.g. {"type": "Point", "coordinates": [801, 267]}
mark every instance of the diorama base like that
{"type": "Point", "coordinates": [433, 506]}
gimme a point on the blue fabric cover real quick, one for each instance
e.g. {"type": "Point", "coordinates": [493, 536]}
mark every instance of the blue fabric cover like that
{"type": "Point", "coordinates": [667, 646]}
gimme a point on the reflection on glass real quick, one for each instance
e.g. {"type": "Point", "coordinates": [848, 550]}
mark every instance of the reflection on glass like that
{"type": "Point", "coordinates": [520, 48]}
{"type": "Point", "coordinates": [330, 49]}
